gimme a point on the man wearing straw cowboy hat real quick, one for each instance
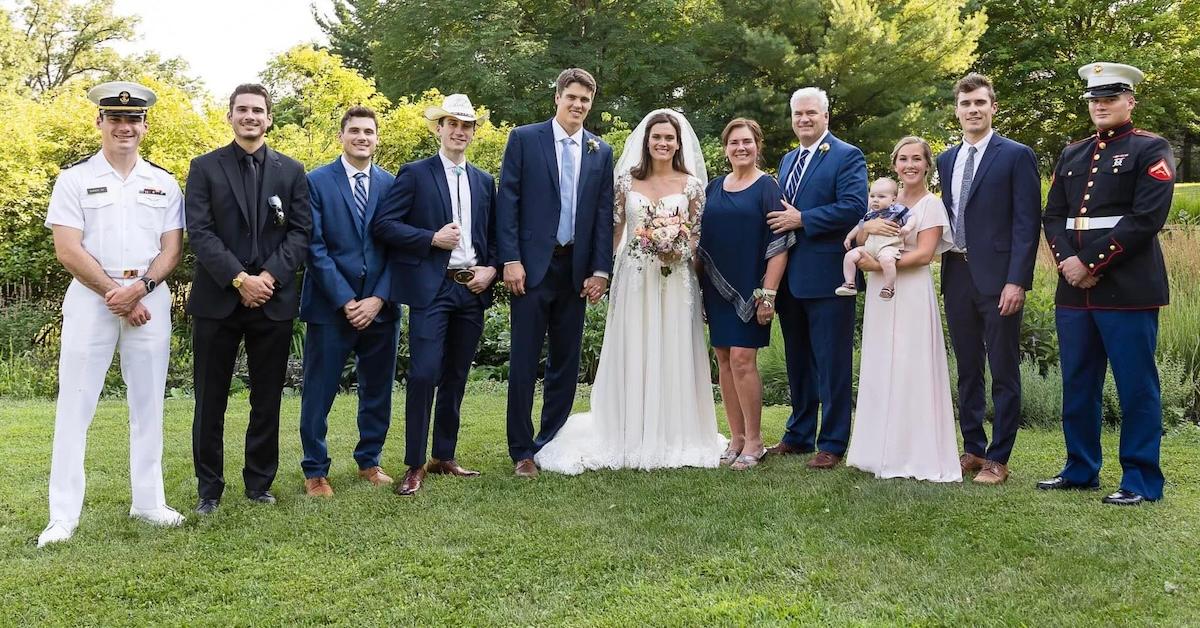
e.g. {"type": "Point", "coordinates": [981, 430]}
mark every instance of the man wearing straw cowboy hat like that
{"type": "Point", "coordinates": [1109, 198]}
{"type": "Point", "coordinates": [438, 222]}
{"type": "Point", "coordinates": [118, 229]}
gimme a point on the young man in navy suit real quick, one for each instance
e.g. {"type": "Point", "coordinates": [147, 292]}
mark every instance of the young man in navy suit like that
{"type": "Point", "coordinates": [345, 302]}
{"type": "Point", "coordinates": [992, 193]}
{"type": "Point", "coordinates": [438, 223]}
{"type": "Point", "coordinates": [824, 183]}
{"type": "Point", "coordinates": [554, 216]}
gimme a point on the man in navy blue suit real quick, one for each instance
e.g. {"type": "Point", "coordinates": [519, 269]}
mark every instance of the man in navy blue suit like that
{"type": "Point", "coordinates": [992, 193]}
{"type": "Point", "coordinates": [438, 222]}
{"type": "Point", "coordinates": [345, 301]}
{"type": "Point", "coordinates": [554, 215]}
{"type": "Point", "coordinates": [824, 182]}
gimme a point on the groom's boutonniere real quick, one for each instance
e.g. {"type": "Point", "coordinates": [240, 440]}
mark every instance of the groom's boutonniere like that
{"type": "Point", "coordinates": [824, 148]}
{"type": "Point", "coordinates": [592, 144]}
{"type": "Point", "coordinates": [277, 206]}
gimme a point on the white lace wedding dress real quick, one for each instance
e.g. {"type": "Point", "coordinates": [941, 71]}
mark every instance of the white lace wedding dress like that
{"type": "Point", "coordinates": [652, 401]}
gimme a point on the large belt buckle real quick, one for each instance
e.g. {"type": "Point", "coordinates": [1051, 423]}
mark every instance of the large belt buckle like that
{"type": "Point", "coordinates": [463, 276]}
{"type": "Point", "coordinates": [130, 274]}
{"type": "Point", "coordinates": [1081, 223]}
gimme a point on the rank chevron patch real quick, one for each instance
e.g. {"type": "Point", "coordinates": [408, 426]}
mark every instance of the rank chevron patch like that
{"type": "Point", "coordinates": [1161, 171]}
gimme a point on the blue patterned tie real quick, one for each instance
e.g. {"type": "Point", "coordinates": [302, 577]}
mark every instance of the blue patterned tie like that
{"type": "Point", "coordinates": [960, 217]}
{"type": "Point", "coordinates": [360, 198]}
{"type": "Point", "coordinates": [793, 181]}
{"type": "Point", "coordinates": [566, 196]}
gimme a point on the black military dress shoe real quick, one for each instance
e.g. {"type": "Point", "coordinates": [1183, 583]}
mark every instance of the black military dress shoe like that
{"type": "Point", "coordinates": [1059, 483]}
{"type": "Point", "coordinates": [1124, 498]}
{"type": "Point", "coordinates": [207, 506]}
{"type": "Point", "coordinates": [260, 497]}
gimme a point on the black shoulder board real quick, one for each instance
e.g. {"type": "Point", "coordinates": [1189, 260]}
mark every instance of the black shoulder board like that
{"type": "Point", "coordinates": [69, 166]}
{"type": "Point", "coordinates": [158, 166]}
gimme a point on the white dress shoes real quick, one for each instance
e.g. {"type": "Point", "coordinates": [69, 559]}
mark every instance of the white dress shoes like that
{"type": "Point", "coordinates": [164, 516]}
{"type": "Point", "coordinates": [56, 531]}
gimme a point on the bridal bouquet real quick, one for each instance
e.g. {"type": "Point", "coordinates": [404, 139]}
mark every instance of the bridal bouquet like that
{"type": "Point", "coordinates": [663, 234]}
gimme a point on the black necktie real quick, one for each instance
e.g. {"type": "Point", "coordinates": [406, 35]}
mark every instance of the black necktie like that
{"type": "Point", "coordinates": [250, 185]}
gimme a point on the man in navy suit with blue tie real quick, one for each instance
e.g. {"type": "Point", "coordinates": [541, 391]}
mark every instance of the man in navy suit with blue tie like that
{"type": "Point", "coordinates": [345, 302]}
{"type": "Point", "coordinates": [438, 223]}
{"type": "Point", "coordinates": [992, 193]}
{"type": "Point", "coordinates": [554, 216]}
{"type": "Point", "coordinates": [824, 183]}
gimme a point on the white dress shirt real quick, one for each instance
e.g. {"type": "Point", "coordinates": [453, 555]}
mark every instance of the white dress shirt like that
{"type": "Point", "coordinates": [956, 177]}
{"type": "Point", "coordinates": [812, 151]}
{"type": "Point", "coordinates": [351, 171]}
{"type": "Point", "coordinates": [561, 134]}
{"type": "Point", "coordinates": [463, 255]}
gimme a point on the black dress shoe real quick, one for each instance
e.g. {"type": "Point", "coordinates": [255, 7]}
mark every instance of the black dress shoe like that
{"type": "Point", "coordinates": [1124, 498]}
{"type": "Point", "coordinates": [207, 506]}
{"type": "Point", "coordinates": [1059, 483]}
{"type": "Point", "coordinates": [260, 497]}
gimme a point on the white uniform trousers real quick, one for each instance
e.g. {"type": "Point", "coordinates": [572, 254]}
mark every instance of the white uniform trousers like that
{"type": "Point", "coordinates": [90, 334]}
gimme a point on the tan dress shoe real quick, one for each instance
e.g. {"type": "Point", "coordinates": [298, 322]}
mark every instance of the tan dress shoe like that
{"type": "Point", "coordinates": [970, 463]}
{"type": "Point", "coordinates": [783, 449]}
{"type": "Point", "coordinates": [411, 482]}
{"type": "Point", "coordinates": [993, 473]}
{"type": "Point", "coordinates": [824, 460]}
{"type": "Point", "coordinates": [375, 475]}
{"type": "Point", "coordinates": [526, 468]}
{"type": "Point", "coordinates": [448, 467]}
{"type": "Point", "coordinates": [318, 487]}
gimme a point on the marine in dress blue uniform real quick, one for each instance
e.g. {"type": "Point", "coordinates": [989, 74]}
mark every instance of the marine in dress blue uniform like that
{"type": "Point", "coordinates": [1109, 198]}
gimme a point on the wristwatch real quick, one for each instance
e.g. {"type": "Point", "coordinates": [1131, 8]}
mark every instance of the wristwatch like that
{"type": "Point", "coordinates": [237, 282]}
{"type": "Point", "coordinates": [149, 283]}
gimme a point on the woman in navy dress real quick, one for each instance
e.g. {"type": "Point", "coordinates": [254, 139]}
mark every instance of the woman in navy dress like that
{"type": "Point", "coordinates": [741, 263]}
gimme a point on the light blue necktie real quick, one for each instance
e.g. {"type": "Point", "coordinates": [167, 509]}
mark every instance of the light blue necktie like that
{"type": "Point", "coordinates": [360, 198]}
{"type": "Point", "coordinates": [566, 194]}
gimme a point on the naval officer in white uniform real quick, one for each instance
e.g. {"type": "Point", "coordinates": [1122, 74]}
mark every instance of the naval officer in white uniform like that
{"type": "Point", "coordinates": [118, 229]}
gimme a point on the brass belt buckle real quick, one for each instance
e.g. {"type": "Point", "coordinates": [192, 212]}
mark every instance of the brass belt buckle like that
{"type": "Point", "coordinates": [464, 276]}
{"type": "Point", "coordinates": [1081, 223]}
{"type": "Point", "coordinates": [129, 274]}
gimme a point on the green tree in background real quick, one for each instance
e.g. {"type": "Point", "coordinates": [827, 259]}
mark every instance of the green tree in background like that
{"type": "Point", "coordinates": [1032, 50]}
{"type": "Point", "coordinates": [69, 39]}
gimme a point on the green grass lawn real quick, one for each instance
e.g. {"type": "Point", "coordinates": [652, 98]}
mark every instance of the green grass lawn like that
{"type": "Point", "coordinates": [779, 544]}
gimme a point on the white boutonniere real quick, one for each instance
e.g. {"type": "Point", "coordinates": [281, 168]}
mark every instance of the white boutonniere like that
{"type": "Point", "coordinates": [592, 144]}
{"type": "Point", "coordinates": [824, 148]}
{"type": "Point", "coordinates": [277, 206]}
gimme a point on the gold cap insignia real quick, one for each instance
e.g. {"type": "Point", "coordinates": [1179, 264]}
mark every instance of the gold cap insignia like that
{"type": "Point", "coordinates": [124, 97]}
{"type": "Point", "coordinates": [1098, 69]}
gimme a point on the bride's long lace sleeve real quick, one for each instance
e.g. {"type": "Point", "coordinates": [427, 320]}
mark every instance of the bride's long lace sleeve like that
{"type": "Point", "coordinates": [621, 187]}
{"type": "Point", "coordinates": [696, 198]}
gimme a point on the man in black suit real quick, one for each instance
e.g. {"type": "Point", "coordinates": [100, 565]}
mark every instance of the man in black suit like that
{"type": "Point", "coordinates": [992, 194]}
{"type": "Point", "coordinates": [249, 223]}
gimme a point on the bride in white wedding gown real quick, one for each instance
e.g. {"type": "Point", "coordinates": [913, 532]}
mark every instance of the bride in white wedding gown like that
{"type": "Point", "coordinates": [652, 401]}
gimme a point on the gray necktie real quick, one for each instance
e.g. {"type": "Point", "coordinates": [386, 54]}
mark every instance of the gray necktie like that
{"type": "Point", "coordinates": [360, 198]}
{"type": "Point", "coordinates": [964, 192]}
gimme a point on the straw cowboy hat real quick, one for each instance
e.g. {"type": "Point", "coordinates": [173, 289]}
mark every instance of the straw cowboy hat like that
{"type": "Point", "coordinates": [454, 105]}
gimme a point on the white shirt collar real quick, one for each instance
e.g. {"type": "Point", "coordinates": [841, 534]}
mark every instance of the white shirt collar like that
{"type": "Point", "coordinates": [561, 133]}
{"type": "Point", "coordinates": [448, 164]}
{"type": "Point", "coordinates": [981, 144]}
{"type": "Point", "coordinates": [813, 147]}
{"type": "Point", "coordinates": [101, 166]}
{"type": "Point", "coordinates": [351, 170]}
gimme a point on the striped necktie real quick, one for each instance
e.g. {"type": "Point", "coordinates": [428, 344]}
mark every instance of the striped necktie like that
{"type": "Point", "coordinates": [360, 197]}
{"type": "Point", "coordinates": [793, 181]}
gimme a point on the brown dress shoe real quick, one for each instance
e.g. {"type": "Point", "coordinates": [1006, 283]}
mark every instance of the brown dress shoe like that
{"type": "Point", "coordinates": [993, 473]}
{"type": "Point", "coordinates": [526, 468]}
{"type": "Point", "coordinates": [318, 487]}
{"type": "Point", "coordinates": [783, 449]}
{"type": "Point", "coordinates": [448, 467]}
{"type": "Point", "coordinates": [824, 460]}
{"type": "Point", "coordinates": [970, 463]}
{"type": "Point", "coordinates": [411, 482]}
{"type": "Point", "coordinates": [375, 475]}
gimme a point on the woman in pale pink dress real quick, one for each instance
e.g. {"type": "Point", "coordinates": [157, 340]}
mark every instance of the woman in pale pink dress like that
{"type": "Point", "coordinates": [904, 420]}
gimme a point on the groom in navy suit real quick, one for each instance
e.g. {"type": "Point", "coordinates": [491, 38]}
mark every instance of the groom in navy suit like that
{"type": "Point", "coordinates": [346, 306]}
{"type": "Point", "coordinates": [438, 222]}
{"type": "Point", "coordinates": [554, 216]}
{"type": "Point", "coordinates": [992, 193]}
{"type": "Point", "coordinates": [824, 183]}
